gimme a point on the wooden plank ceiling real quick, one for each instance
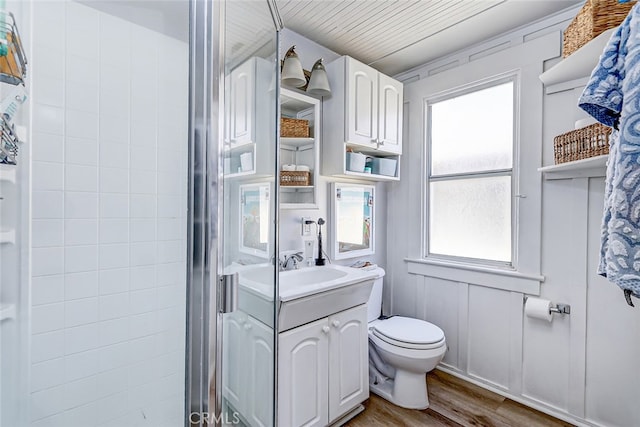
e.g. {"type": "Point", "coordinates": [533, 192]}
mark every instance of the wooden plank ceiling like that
{"type": "Point", "coordinates": [396, 35]}
{"type": "Point", "coordinates": [375, 28]}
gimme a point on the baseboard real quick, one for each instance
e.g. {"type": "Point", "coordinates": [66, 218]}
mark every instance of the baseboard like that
{"type": "Point", "coordinates": [537, 405]}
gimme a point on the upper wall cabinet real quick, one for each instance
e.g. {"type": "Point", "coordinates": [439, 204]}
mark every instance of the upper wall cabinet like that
{"type": "Point", "coordinates": [249, 119]}
{"type": "Point", "coordinates": [362, 116]}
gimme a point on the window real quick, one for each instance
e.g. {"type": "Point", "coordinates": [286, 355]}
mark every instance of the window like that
{"type": "Point", "coordinates": [470, 174]}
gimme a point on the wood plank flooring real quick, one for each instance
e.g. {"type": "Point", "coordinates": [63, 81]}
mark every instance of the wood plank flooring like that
{"type": "Point", "coordinates": [454, 402]}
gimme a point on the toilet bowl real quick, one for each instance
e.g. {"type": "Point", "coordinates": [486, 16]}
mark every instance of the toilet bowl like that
{"type": "Point", "coordinates": [401, 351]}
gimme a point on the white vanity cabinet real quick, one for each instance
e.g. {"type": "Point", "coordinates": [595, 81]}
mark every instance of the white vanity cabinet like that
{"type": "Point", "coordinates": [248, 368]}
{"type": "Point", "coordinates": [323, 369]}
{"type": "Point", "coordinates": [249, 126]}
{"type": "Point", "coordinates": [363, 114]}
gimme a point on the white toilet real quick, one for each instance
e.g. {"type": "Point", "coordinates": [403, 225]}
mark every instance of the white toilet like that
{"type": "Point", "coordinates": [401, 351]}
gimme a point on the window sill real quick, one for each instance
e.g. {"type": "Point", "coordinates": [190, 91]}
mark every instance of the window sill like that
{"type": "Point", "coordinates": [508, 280]}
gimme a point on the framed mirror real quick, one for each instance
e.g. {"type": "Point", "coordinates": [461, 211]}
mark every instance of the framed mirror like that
{"type": "Point", "coordinates": [353, 230]}
{"type": "Point", "coordinates": [254, 217]}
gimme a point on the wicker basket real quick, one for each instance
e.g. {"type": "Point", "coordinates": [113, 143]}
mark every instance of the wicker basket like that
{"type": "Point", "coordinates": [297, 178]}
{"type": "Point", "coordinates": [294, 128]}
{"type": "Point", "coordinates": [595, 17]}
{"type": "Point", "coordinates": [582, 143]}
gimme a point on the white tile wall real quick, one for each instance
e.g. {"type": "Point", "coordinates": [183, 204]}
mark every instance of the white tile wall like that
{"type": "Point", "coordinates": [109, 205]}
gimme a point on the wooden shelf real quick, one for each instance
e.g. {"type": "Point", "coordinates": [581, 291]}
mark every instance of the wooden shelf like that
{"type": "Point", "coordinates": [286, 142]}
{"type": "Point", "coordinates": [586, 168]}
{"type": "Point", "coordinates": [291, 188]}
{"type": "Point", "coordinates": [371, 150]}
{"type": "Point", "coordinates": [370, 176]}
{"type": "Point", "coordinates": [239, 174]}
{"type": "Point", "coordinates": [575, 70]}
{"type": "Point", "coordinates": [8, 173]}
{"type": "Point", "coordinates": [7, 311]}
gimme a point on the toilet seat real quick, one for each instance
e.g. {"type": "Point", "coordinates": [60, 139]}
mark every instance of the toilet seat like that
{"type": "Point", "coordinates": [408, 333]}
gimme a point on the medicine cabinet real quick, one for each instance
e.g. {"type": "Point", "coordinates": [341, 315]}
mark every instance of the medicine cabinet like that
{"type": "Point", "coordinates": [255, 219]}
{"type": "Point", "coordinates": [353, 227]}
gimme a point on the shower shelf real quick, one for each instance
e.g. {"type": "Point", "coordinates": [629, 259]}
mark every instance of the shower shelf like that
{"type": "Point", "coordinates": [7, 311]}
{"type": "Point", "coordinates": [8, 173]}
{"type": "Point", "coordinates": [7, 235]}
{"type": "Point", "coordinates": [13, 61]}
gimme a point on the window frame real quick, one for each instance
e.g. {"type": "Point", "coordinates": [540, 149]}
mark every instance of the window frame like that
{"type": "Point", "coordinates": [510, 77]}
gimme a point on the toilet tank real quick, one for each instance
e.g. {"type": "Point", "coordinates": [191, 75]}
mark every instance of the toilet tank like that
{"type": "Point", "coordinates": [374, 305]}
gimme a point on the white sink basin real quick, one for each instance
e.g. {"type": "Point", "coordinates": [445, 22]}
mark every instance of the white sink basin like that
{"type": "Point", "coordinates": [306, 294]}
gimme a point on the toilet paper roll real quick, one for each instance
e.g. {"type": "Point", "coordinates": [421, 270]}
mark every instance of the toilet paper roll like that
{"type": "Point", "coordinates": [538, 308]}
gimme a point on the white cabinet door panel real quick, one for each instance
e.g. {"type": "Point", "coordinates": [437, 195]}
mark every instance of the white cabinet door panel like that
{"type": "Point", "coordinates": [362, 101]}
{"type": "Point", "coordinates": [260, 404]}
{"type": "Point", "coordinates": [242, 104]}
{"type": "Point", "coordinates": [390, 114]}
{"type": "Point", "coordinates": [303, 375]}
{"type": "Point", "coordinates": [348, 361]}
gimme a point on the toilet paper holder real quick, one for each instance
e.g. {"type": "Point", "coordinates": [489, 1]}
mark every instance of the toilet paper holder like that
{"type": "Point", "coordinates": [561, 308]}
{"type": "Point", "coordinates": [558, 308]}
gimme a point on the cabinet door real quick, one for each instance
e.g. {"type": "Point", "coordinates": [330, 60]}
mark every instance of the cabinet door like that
{"type": "Point", "coordinates": [362, 104]}
{"type": "Point", "coordinates": [303, 374]}
{"type": "Point", "coordinates": [348, 360]}
{"type": "Point", "coordinates": [390, 114]}
{"type": "Point", "coordinates": [234, 358]}
{"type": "Point", "coordinates": [242, 104]}
{"type": "Point", "coordinates": [260, 352]}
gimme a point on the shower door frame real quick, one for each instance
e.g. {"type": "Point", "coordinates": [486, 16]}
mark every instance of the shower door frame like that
{"type": "Point", "coordinates": [206, 91]}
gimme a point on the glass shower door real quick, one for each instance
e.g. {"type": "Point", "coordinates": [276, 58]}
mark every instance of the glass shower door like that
{"type": "Point", "coordinates": [250, 200]}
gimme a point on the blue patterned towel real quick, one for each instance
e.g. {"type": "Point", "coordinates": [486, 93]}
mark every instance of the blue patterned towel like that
{"type": "Point", "coordinates": [612, 97]}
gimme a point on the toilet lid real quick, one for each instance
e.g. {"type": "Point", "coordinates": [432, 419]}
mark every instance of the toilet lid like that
{"type": "Point", "coordinates": [409, 331]}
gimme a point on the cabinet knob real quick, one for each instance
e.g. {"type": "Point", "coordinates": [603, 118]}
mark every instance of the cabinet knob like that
{"type": "Point", "coordinates": [325, 329]}
{"type": "Point", "coordinates": [380, 141]}
{"type": "Point", "coordinates": [247, 326]}
{"type": "Point", "coordinates": [374, 140]}
{"type": "Point", "coordinates": [336, 323]}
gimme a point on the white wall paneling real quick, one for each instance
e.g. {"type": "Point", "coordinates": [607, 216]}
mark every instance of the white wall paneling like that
{"type": "Point", "coordinates": [579, 367]}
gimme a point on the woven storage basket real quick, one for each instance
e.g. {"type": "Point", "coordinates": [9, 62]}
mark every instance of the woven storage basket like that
{"type": "Point", "coordinates": [294, 128]}
{"type": "Point", "coordinates": [582, 143]}
{"type": "Point", "coordinates": [298, 178]}
{"type": "Point", "coordinates": [595, 17]}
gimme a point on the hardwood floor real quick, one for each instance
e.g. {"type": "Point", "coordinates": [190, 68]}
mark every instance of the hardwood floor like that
{"type": "Point", "coordinates": [454, 402]}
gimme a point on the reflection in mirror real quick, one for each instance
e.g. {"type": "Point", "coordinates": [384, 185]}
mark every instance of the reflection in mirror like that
{"type": "Point", "coordinates": [353, 226]}
{"type": "Point", "coordinates": [254, 211]}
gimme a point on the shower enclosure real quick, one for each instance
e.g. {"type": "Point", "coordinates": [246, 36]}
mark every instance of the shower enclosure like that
{"type": "Point", "coordinates": [145, 182]}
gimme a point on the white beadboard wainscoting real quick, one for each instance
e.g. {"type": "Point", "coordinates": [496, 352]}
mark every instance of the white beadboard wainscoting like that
{"type": "Point", "coordinates": [580, 367]}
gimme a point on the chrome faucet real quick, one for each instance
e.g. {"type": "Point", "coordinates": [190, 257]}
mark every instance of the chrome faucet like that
{"type": "Point", "coordinates": [290, 262]}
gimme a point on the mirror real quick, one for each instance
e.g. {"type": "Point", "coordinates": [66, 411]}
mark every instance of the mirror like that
{"type": "Point", "coordinates": [353, 223]}
{"type": "Point", "coordinates": [254, 212]}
